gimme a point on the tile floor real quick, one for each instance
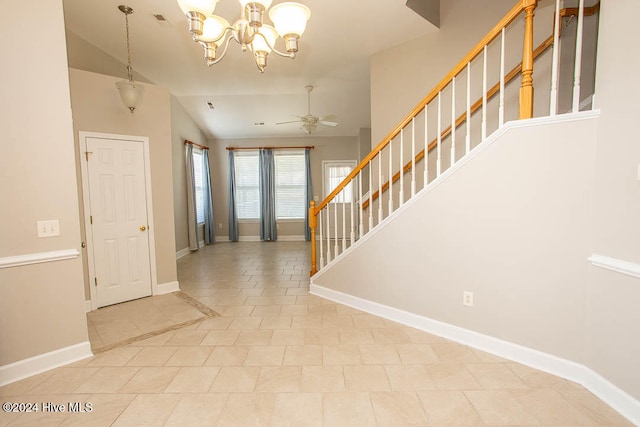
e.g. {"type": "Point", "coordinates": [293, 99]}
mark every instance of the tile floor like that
{"type": "Point", "coordinates": [120, 324]}
{"type": "Point", "coordinates": [277, 356]}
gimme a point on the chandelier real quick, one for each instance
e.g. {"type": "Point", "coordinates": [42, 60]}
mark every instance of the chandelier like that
{"type": "Point", "coordinates": [130, 91]}
{"type": "Point", "coordinates": [250, 31]}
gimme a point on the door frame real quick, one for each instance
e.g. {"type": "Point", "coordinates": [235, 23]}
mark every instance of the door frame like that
{"type": "Point", "coordinates": [82, 145]}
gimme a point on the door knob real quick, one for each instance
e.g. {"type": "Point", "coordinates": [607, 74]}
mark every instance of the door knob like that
{"type": "Point", "coordinates": [142, 228]}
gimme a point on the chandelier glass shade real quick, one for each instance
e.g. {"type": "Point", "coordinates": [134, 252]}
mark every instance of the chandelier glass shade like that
{"type": "Point", "coordinates": [130, 91]}
{"type": "Point", "coordinates": [251, 31]}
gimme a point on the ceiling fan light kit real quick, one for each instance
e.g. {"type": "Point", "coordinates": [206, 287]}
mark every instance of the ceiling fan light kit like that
{"type": "Point", "coordinates": [309, 121]}
{"type": "Point", "coordinates": [250, 30]}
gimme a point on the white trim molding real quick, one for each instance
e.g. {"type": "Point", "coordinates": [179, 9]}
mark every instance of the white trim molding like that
{"type": "Point", "coordinates": [37, 258]}
{"type": "Point", "coordinates": [166, 288]}
{"type": "Point", "coordinates": [605, 390]}
{"type": "Point", "coordinates": [34, 365]}
{"type": "Point", "coordinates": [614, 264]}
{"type": "Point", "coordinates": [182, 253]}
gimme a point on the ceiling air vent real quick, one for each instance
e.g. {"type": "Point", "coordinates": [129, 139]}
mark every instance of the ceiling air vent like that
{"type": "Point", "coordinates": [160, 19]}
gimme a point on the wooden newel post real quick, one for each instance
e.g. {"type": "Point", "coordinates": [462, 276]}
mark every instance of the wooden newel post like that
{"type": "Point", "coordinates": [313, 223]}
{"type": "Point", "coordinates": [526, 90]}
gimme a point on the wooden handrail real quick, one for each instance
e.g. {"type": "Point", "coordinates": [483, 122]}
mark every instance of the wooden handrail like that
{"type": "Point", "coordinates": [463, 118]}
{"type": "Point", "coordinates": [588, 11]}
{"type": "Point", "coordinates": [488, 38]}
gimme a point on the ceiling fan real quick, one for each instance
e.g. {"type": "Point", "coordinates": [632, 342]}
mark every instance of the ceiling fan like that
{"type": "Point", "coordinates": [309, 121]}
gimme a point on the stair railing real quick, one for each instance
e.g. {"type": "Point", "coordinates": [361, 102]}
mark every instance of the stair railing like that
{"type": "Point", "coordinates": [347, 213]}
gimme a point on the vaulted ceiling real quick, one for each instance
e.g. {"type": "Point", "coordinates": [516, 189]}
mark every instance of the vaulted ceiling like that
{"type": "Point", "coordinates": [333, 57]}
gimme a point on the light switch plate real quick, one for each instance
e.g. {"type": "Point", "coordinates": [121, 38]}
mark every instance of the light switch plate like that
{"type": "Point", "coordinates": [49, 228]}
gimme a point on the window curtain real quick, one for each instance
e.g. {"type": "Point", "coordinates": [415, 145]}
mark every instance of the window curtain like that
{"type": "Point", "coordinates": [233, 213]}
{"type": "Point", "coordinates": [191, 200]}
{"type": "Point", "coordinates": [308, 193]}
{"type": "Point", "coordinates": [268, 230]}
{"type": "Point", "coordinates": [207, 205]}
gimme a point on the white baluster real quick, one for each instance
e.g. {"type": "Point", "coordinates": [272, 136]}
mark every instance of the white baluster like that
{"type": "Point", "coordinates": [352, 236]}
{"type": "Point", "coordinates": [380, 213]}
{"type": "Point", "coordinates": [467, 140]}
{"type": "Point", "coordinates": [439, 140]}
{"type": "Point", "coordinates": [578, 65]}
{"type": "Point", "coordinates": [501, 108]}
{"type": "Point", "coordinates": [321, 240]}
{"type": "Point", "coordinates": [453, 121]}
{"type": "Point", "coordinates": [390, 191]}
{"type": "Point", "coordinates": [336, 250]}
{"type": "Point", "coordinates": [426, 147]}
{"type": "Point", "coordinates": [413, 157]}
{"type": "Point", "coordinates": [344, 221]}
{"type": "Point", "coordinates": [553, 103]}
{"type": "Point", "coordinates": [401, 193]}
{"type": "Point", "coordinates": [329, 233]}
{"type": "Point", "coordinates": [361, 219]}
{"type": "Point", "coordinates": [484, 96]}
{"type": "Point", "coordinates": [370, 196]}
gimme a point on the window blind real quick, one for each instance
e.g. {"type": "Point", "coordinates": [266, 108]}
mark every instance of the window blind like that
{"type": "Point", "coordinates": [247, 191]}
{"type": "Point", "coordinates": [197, 178]}
{"type": "Point", "coordinates": [290, 185]}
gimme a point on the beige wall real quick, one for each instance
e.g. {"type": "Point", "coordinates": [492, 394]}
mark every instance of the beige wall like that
{"type": "Point", "coordinates": [97, 108]}
{"type": "Point", "coordinates": [341, 148]}
{"type": "Point", "coordinates": [85, 56]}
{"type": "Point", "coordinates": [613, 315]}
{"type": "Point", "coordinates": [402, 76]}
{"type": "Point", "coordinates": [42, 305]}
{"type": "Point", "coordinates": [509, 226]}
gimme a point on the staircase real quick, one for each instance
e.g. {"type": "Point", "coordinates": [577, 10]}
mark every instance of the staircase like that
{"type": "Point", "coordinates": [459, 115]}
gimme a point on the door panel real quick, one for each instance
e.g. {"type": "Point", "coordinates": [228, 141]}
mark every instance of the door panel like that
{"type": "Point", "coordinates": [118, 204]}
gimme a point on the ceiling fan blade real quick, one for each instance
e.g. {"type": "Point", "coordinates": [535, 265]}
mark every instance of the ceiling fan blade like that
{"type": "Point", "coordinates": [325, 123]}
{"type": "Point", "coordinates": [330, 117]}
{"type": "Point", "coordinates": [293, 121]}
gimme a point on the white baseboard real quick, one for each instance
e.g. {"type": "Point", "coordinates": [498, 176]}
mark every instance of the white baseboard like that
{"type": "Point", "coordinates": [605, 390]}
{"type": "Point", "coordinates": [166, 288]}
{"type": "Point", "coordinates": [34, 365]}
{"type": "Point", "coordinates": [182, 252]}
{"type": "Point", "coordinates": [87, 306]}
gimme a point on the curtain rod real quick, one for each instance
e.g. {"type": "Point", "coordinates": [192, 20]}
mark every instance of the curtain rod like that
{"type": "Point", "coordinates": [311, 147]}
{"type": "Point", "coordinates": [186, 141]}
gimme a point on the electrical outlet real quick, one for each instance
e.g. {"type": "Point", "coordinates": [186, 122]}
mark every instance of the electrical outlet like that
{"type": "Point", "coordinates": [277, 226]}
{"type": "Point", "coordinates": [467, 298]}
{"type": "Point", "coordinates": [50, 228]}
{"type": "Point", "coordinates": [220, 226]}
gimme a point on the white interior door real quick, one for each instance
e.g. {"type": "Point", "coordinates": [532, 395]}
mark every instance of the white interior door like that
{"type": "Point", "coordinates": [119, 226]}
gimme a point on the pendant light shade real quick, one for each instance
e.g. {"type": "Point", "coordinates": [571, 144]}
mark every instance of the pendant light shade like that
{"type": "Point", "coordinates": [290, 18]}
{"type": "Point", "coordinates": [130, 93]}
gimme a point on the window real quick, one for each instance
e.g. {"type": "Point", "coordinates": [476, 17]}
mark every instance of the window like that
{"type": "Point", "coordinates": [198, 180]}
{"type": "Point", "coordinates": [290, 183]}
{"type": "Point", "coordinates": [247, 186]}
{"type": "Point", "coordinates": [334, 172]}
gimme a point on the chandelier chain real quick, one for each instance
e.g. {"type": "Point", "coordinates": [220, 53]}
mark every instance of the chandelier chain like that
{"type": "Point", "coordinates": [126, 23]}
